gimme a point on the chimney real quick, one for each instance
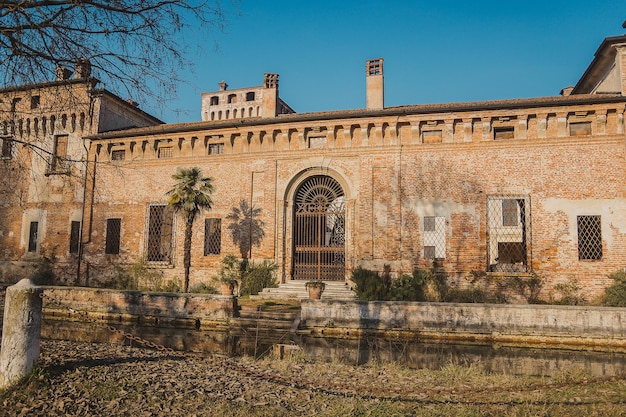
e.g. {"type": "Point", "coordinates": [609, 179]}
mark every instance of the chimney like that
{"type": "Point", "coordinates": [82, 69]}
{"type": "Point", "coordinates": [270, 95]}
{"type": "Point", "coordinates": [63, 73]}
{"type": "Point", "coordinates": [374, 84]}
{"type": "Point", "coordinates": [567, 91]}
{"type": "Point", "coordinates": [223, 86]}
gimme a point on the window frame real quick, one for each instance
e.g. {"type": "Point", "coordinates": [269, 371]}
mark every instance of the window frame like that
{"type": "Point", "coordinates": [33, 236]}
{"type": "Point", "coordinates": [509, 244]}
{"type": "Point", "coordinates": [113, 236]}
{"type": "Point", "coordinates": [6, 152]}
{"type": "Point", "coordinates": [168, 220]}
{"type": "Point", "coordinates": [212, 236]}
{"type": "Point", "coordinates": [74, 236]}
{"type": "Point", "coordinates": [589, 250]}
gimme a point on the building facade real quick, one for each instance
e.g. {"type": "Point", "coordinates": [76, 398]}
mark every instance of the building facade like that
{"type": "Point", "coordinates": [43, 167]}
{"type": "Point", "coordinates": [505, 189]}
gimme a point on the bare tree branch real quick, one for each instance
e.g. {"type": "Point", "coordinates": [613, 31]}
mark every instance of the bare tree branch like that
{"type": "Point", "coordinates": [135, 47]}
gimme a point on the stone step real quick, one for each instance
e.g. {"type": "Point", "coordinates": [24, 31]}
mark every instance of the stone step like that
{"type": "Point", "coordinates": [261, 324]}
{"type": "Point", "coordinates": [335, 290]}
{"type": "Point", "coordinates": [267, 315]}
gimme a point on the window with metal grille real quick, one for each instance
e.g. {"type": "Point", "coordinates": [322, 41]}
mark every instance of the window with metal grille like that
{"type": "Point", "coordinates": [508, 233]}
{"type": "Point", "coordinates": [160, 233]}
{"type": "Point", "coordinates": [32, 236]}
{"type": "Point", "coordinates": [216, 148]}
{"type": "Point", "coordinates": [589, 238]}
{"type": "Point", "coordinates": [118, 155]}
{"type": "Point", "coordinates": [166, 152]}
{"type": "Point", "coordinates": [112, 245]}
{"type": "Point", "coordinates": [434, 237]}
{"type": "Point", "coordinates": [74, 237]}
{"type": "Point", "coordinates": [212, 236]}
{"type": "Point", "coordinates": [7, 148]}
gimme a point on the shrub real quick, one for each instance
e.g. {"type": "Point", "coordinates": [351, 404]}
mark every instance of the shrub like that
{"type": "Point", "coordinates": [203, 288]}
{"type": "Point", "coordinates": [43, 274]}
{"type": "Point", "coordinates": [173, 285]}
{"type": "Point", "coordinates": [369, 285]}
{"type": "Point", "coordinates": [256, 277]}
{"type": "Point", "coordinates": [411, 287]}
{"type": "Point", "coordinates": [466, 295]}
{"type": "Point", "coordinates": [615, 294]}
{"type": "Point", "coordinates": [568, 293]}
{"type": "Point", "coordinates": [137, 276]}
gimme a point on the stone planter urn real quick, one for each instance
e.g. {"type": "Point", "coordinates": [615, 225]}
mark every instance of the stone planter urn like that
{"type": "Point", "coordinates": [315, 289]}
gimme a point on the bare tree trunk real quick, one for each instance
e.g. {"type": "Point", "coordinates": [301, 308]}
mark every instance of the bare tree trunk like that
{"type": "Point", "coordinates": [187, 248]}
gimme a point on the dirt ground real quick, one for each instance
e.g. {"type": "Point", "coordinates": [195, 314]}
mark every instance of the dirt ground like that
{"type": "Point", "coordinates": [86, 379]}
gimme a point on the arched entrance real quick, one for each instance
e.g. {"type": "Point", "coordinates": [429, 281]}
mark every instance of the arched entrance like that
{"type": "Point", "coordinates": [319, 230]}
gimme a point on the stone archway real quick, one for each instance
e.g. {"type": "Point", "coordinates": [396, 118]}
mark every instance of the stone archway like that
{"type": "Point", "coordinates": [319, 230]}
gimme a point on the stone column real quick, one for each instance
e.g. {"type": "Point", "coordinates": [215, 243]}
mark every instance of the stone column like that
{"type": "Point", "coordinates": [21, 332]}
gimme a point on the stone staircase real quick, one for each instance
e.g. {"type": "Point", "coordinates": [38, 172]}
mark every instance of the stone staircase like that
{"type": "Point", "coordinates": [335, 290]}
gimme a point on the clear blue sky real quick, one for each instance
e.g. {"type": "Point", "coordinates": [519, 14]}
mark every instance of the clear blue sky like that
{"type": "Point", "coordinates": [435, 51]}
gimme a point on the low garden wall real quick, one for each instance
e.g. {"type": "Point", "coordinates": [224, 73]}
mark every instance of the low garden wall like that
{"type": "Point", "coordinates": [189, 310]}
{"type": "Point", "coordinates": [599, 327]}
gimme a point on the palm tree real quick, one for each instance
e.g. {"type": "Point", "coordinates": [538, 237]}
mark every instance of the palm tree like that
{"type": "Point", "coordinates": [191, 194]}
{"type": "Point", "coordinates": [246, 229]}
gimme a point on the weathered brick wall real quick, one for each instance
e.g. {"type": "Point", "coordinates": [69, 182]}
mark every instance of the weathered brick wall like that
{"type": "Point", "coordinates": [389, 188]}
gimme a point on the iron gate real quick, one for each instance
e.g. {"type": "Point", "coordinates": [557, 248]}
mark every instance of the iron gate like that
{"type": "Point", "coordinates": [319, 230]}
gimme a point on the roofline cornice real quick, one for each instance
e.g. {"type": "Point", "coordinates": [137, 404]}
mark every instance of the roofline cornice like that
{"type": "Point", "coordinates": [365, 113]}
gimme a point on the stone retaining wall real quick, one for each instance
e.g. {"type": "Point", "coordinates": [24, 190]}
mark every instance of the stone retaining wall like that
{"type": "Point", "coordinates": [137, 306]}
{"type": "Point", "coordinates": [494, 322]}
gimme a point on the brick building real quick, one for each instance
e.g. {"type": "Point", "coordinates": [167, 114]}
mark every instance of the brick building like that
{"type": "Point", "coordinates": [498, 189]}
{"type": "Point", "coordinates": [42, 166]}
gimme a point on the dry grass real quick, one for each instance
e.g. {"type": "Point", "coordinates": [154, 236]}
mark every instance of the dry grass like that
{"type": "Point", "coordinates": [88, 379]}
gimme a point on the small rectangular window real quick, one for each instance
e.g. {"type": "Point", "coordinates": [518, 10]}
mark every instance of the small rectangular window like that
{"type": "Point", "coordinates": [509, 212]}
{"type": "Point", "coordinates": [74, 237]}
{"type": "Point", "coordinates": [14, 103]}
{"type": "Point", "coordinates": [317, 142]}
{"type": "Point", "coordinates": [114, 227]}
{"type": "Point", "coordinates": [216, 148]}
{"type": "Point", "coordinates": [59, 162]}
{"type": "Point", "coordinates": [429, 252]}
{"type": "Point", "coordinates": [34, 102]}
{"type": "Point", "coordinates": [32, 236]}
{"type": "Point", "coordinates": [434, 237]}
{"type": "Point", "coordinates": [118, 155]}
{"type": "Point", "coordinates": [7, 148]}
{"type": "Point", "coordinates": [429, 223]}
{"type": "Point", "coordinates": [580, 129]}
{"type": "Point", "coordinates": [589, 238]}
{"type": "Point", "coordinates": [250, 96]}
{"type": "Point", "coordinates": [504, 132]}
{"type": "Point", "coordinates": [214, 101]}
{"type": "Point", "coordinates": [212, 236]}
{"type": "Point", "coordinates": [431, 136]}
{"type": "Point", "coordinates": [166, 152]}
